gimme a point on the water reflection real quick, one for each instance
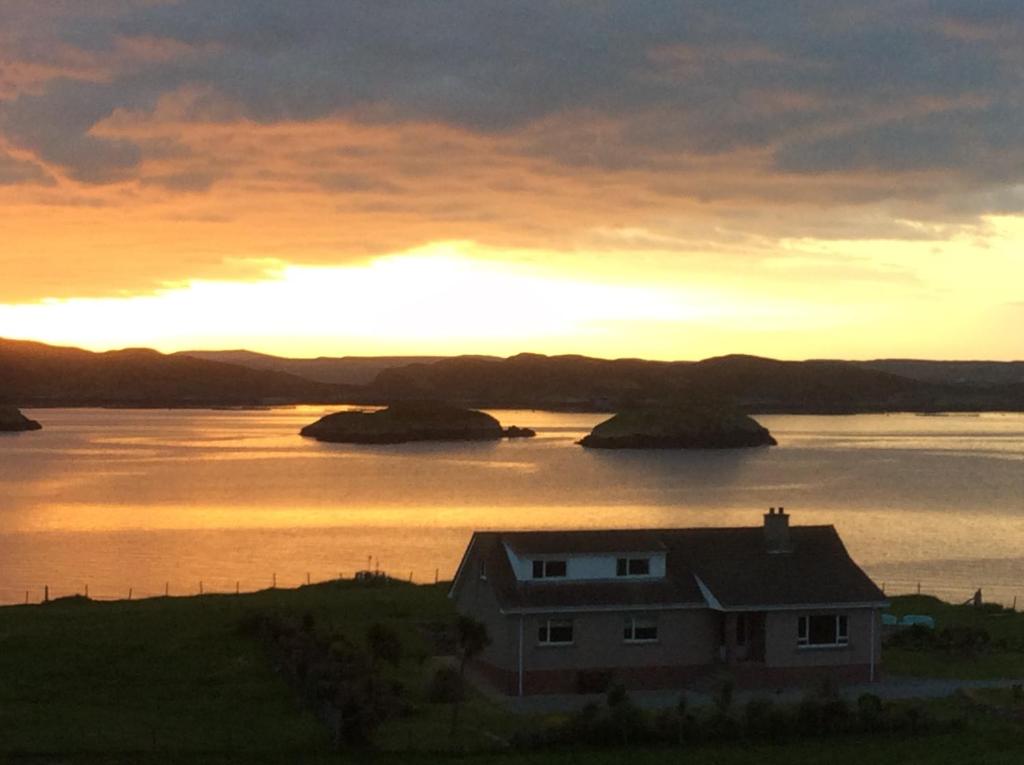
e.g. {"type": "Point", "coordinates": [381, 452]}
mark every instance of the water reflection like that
{"type": "Point", "coordinates": [158, 496]}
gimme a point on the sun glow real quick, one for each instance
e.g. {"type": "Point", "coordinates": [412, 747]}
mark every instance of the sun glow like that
{"type": "Point", "coordinates": [437, 299]}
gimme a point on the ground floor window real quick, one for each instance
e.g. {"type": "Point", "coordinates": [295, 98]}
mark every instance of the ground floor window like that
{"type": "Point", "coordinates": [640, 629]}
{"type": "Point", "coordinates": [555, 632]}
{"type": "Point", "coordinates": [822, 630]}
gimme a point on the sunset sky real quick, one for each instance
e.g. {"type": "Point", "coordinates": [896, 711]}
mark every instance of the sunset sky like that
{"type": "Point", "coordinates": [657, 179]}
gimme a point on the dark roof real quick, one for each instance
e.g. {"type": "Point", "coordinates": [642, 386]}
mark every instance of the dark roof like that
{"type": "Point", "coordinates": [588, 541]}
{"type": "Point", "coordinates": [734, 565]}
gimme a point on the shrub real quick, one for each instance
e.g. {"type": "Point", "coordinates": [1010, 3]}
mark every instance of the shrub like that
{"type": "Point", "coordinates": [757, 716]}
{"type": "Point", "coordinates": [384, 644]}
{"type": "Point", "coordinates": [446, 686]}
{"type": "Point", "coordinates": [870, 713]}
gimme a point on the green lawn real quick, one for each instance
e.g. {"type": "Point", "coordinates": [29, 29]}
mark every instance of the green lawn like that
{"type": "Point", "coordinates": [177, 673]}
{"type": "Point", "coordinates": [1003, 658]}
{"type": "Point", "coordinates": [176, 680]}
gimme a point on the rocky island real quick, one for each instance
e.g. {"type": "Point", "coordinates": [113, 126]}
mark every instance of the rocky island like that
{"type": "Point", "coordinates": [409, 421]}
{"type": "Point", "coordinates": [679, 427]}
{"type": "Point", "coordinates": [13, 421]}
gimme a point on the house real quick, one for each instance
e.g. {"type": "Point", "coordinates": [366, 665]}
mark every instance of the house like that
{"type": "Point", "coordinates": [569, 611]}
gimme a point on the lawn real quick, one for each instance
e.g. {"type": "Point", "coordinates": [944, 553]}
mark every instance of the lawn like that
{"type": "Point", "coordinates": [177, 673]}
{"type": "Point", "coordinates": [177, 680]}
{"type": "Point", "coordinates": [1001, 658]}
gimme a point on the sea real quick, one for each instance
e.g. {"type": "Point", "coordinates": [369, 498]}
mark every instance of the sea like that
{"type": "Point", "coordinates": [118, 503]}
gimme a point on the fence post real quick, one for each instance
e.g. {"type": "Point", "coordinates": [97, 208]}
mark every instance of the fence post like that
{"type": "Point", "coordinates": [236, 588]}
{"type": "Point", "coordinates": [129, 593]}
{"type": "Point", "coordinates": [437, 572]}
{"type": "Point", "coordinates": [167, 589]}
{"type": "Point", "coordinates": [307, 578]}
{"type": "Point", "coordinates": [46, 593]}
{"type": "Point", "coordinates": [918, 588]}
{"type": "Point", "coordinates": [87, 590]}
{"type": "Point", "coordinates": [200, 586]}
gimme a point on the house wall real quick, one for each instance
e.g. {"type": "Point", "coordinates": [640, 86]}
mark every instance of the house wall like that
{"type": "Point", "coordinates": [781, 649]}
{"type": "Point", "coordinates": [475, 597]}
{"type": "Point", "coordinates": [586, 566]}
{"type": "Point", "coordinates": [684, 638]}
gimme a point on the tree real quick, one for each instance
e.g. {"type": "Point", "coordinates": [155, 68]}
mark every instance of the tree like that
{"type": "Point", "coordinates": [470, 639]}
{"type": "Point", "coordinates": [384, 644]}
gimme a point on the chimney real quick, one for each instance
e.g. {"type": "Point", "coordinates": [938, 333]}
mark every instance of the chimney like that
{"type": "Point", "coordinates": [776, 531]}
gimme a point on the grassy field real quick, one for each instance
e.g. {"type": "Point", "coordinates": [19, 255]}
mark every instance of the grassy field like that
{"type": "Point", "coordinates": [177, 673]}
{"type": "Point", "coordinates": [1002, 658]}
{"type": "Point", "coordinates": [177, 680]}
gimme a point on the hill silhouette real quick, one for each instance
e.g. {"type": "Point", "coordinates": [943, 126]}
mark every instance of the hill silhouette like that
{"type": "Point", "coordinates": [34, 374]}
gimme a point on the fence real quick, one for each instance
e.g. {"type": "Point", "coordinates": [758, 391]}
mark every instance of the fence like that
{"type": "Point", "coordinates": [1004, 593]}
{"type": "Point", "coordinates": [41, 593]}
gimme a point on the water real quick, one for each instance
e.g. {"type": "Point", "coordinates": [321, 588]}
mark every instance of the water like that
{"type": "Point", "coordinates": [155, 500]}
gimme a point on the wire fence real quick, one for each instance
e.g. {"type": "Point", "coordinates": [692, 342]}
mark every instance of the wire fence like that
{"type": "Point", "coordinates": [1004, 593]}
{"type": "Point", "coordinates": [45, 592]}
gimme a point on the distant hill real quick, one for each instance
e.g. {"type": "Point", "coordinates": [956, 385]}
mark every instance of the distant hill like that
{"type": "Point", "coordinates": [754, 384]}
{"type": "Point", "coordinates": [980, 373]}
{"type": "Point", "coordinates": [34, 374]}
{"type": "Point", "coordinates": [349, 370]}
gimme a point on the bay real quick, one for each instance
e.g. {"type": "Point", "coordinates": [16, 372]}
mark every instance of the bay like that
{"type": "Point", "coordinates": [163, 500]}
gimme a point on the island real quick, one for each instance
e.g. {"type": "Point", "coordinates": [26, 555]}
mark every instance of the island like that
{"type": "Point", "coordinates": [679, 427]}
{"type": "Point", "coordinates": [13, 421]}
{"type": "Point", "coordinates": [411, 421]}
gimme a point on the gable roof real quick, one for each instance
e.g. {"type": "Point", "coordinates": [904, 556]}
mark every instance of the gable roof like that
{"type": "Point", "coordinates": [721, 568]}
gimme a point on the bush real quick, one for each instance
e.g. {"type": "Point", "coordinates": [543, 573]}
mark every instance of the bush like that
{"type": "Point", "coordinates": [914, 638]}
{"type": "Point", "coordinates": [446, 686]}
{"type": "Point", "coordinates": [870, 712]}
{"type": "Point", "coordinates": [757, 716]}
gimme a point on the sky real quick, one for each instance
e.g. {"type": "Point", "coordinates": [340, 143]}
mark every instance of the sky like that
{"type": "Point", "coordinates": [672, 180]}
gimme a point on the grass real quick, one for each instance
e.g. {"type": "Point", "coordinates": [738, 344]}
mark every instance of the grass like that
{"type": "Point", "coordinates": [175, 680]}
{"type": "Point", "coordinates": [176, 673]}
{"type": "Point", "coordinates": [1005, 627]}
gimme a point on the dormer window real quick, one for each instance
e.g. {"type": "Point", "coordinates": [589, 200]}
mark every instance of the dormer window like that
{"type": "Point", "coordinates": [633, 567]}
{"type": "Point", "coordinates": [547, 569]}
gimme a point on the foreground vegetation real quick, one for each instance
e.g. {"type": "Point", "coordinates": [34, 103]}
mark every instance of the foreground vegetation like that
{"type": "Point", "coordinates": [968, 643]}
{"type": "Point", "coordinates": [232, 678]}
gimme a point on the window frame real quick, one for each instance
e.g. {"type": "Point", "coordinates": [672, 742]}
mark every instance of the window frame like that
{"type": "Point", "coordinates": [631, 624]}
{"type": "Point", "coordinates": [544, 632]}
{"type": "Point", "coordinates": [541, 566]}
{"type": "Point", "coordinates": [624, 565]}
{"type": "Point", "coordinates": [840, 630]}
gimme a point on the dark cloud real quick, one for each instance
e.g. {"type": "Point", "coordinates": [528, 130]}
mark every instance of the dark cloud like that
{"type": "Point", "coordinates": [15, 171]}
{"type": "Point", "coordinates": [879, 89]}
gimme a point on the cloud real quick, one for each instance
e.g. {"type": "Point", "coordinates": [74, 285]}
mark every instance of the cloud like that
{"type": "Point", "coordinates": [15, 171]}
{"type": "Point", "coordinates": [527, 124]}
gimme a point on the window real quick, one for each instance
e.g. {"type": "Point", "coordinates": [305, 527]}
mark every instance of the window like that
{"type": "Point", "coordinates": [555, 632]}
{"type": "Point", "coordinates": [742, 629]}
{"type": "Point", "coordinates": [633, 567]}
{"type": "Point", "coordinates": [545, 569]}
{"type": "Point", "coordinates": [640, 629]}
{"type": "Point", "coordinates": [822, 629]}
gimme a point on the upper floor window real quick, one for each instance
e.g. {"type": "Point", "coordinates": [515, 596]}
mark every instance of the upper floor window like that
{"type": "Point", "coordinates": [633, 567]}
{"type": "Point", "coordinates": [822, 630]}
{"type": "Point", "coordinates": [545, 569]}
{"type": "Point", "coordinates": [640, 629]}
{"type": "Point", "coordinates": [555, 632]}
